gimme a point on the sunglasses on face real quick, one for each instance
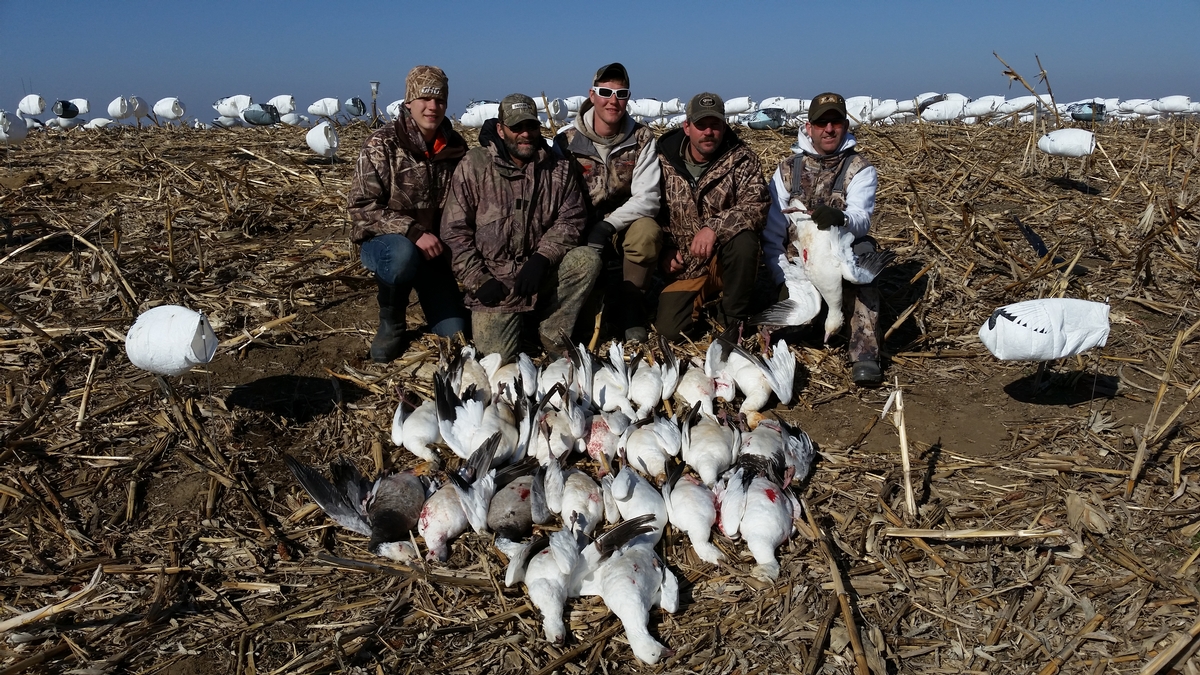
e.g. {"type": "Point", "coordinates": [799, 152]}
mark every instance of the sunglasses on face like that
{"type": "Point", "coordinates": [605, 92]}
{"type": "Point", "coordinates": [824, 123]}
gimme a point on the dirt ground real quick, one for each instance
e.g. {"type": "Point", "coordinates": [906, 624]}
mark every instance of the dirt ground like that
{"type": "Point", "coordinates": [213, 561]}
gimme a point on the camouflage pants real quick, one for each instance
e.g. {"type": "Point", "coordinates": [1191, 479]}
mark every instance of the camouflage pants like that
{"type": "Point", "coordinates": [863, 313]}
{"type": "Point", "coordinates": [730, 277]}
{"type": "Point", "coordinates": [641, 244]}
{"type": "Point", "coordinates": [559, 300]}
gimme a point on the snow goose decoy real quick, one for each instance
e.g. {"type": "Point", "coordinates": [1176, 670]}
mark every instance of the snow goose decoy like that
{"type": "Point", "coordinates": [460, 504]}
{"type": "Point", "coordinates": [692, 508]}
{"type": "Point", "coordinates": [12, 130]}
{"type": "Point", "coordinates": [170, 109]}
{"type": "Point", "coordinates": [385, 511]}
{"type": "Point", "coordinates": [828, 258]}
{"type": "Point", "coordinates": [418, 430]}
{"type": "Point", "coordinates": [755, 506]}
{"type": "Point", "coordinates": [1045, 329]}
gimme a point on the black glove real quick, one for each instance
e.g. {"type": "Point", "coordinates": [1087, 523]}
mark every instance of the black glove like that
{"type": "Point", "coordinates": [491, 293]}
{"type": "Point", "coordinates": [601, 235]}
{"type": "Point", "coordinates": [826, 217]}
{"type": "Point", "coordinates": [529, 279]}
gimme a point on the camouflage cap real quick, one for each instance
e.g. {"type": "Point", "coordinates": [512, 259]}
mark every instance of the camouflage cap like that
{"type": "Point", "coordinates": [426, 82]}
{"type": "Point", "coordinates": [613, 72]}
{"type": "Point", "coordinates": [824, 103]}
{"type": "Point", "coordinates": [517, 108]}
{"type": "Point", "coordinates": [705, 105]}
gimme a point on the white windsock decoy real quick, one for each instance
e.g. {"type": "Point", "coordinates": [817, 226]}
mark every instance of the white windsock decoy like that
{"type": "Point", "coordinates": [984, 105]}
{"type": "Point", "coordinates": [884, 109]}
{"type": "Point", "coordinates": [228, 122]}
{"type": "Point", "coordinates": [83, 105]}
{"type": "Point", "coordinates": [170, 340]}
{"type": "Point", "coordinates": [1068, 143]}
{"type": "Point", "coordinates": [12, 129]}
{"type": "Point", "coordinates": [32, 105]}
{"type": "Point", "coordinates": [169, 109]}
{"type": "Point", "coordinates": [393, 108]}
{"type": "Point", "coordinates": [323, 139]}
{"type": "Point", "coordinates": [260, 114]}
{"type": "Point", "coordinates": [99, 123]}
{"type": "Point", "coordinates": [138, 108]}
{"type": "Point", "coordinates": [738, 105]}
{"type": "Point", "coordinates": [119, 108]}
{"type": "Point", "coordinates": [573, 103]}
{"type": "Point", "coordinates": [284, 103]}
{"type": "Point", "coordinates": [326, 107]}
{"type": "Point", "coordinates": [64, 123]}
{"type": "Point", "coordinates": [479, 113]}
{"type": "Point", "coordinates": [943, 111]}
{"type": "Point", "coordinates": [1045, 329]}
{"type": "Point", "coordinates": [355, 107]}
{"type": "Point", "coordinates": [293, 120]}
{"type": "Point", "coordinates": [232, 106]}
{"type": "Point", "coordinates": [1173, 104]}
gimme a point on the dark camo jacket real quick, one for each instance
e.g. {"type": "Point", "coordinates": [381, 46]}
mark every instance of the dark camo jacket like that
{"type": "Point", "coordinates": [731, 196]}
{"type": "Point", "coordinates": [396, 189]}
{"type": "Point", "coordinates": [497, 216]}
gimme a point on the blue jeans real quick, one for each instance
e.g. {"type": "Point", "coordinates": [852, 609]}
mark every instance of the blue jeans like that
{"type": "Point", "coordinates": [398, 262]}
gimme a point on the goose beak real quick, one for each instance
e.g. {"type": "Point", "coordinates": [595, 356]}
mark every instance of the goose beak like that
{"type": "Point", "coordinates": [753, 418]}
{"type": "Point", "coordinates": [605, 465]}
{"type": "Point", "coordinates": [425, 469]}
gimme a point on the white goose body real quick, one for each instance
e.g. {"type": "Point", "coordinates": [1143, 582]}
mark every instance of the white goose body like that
{"type": "Point", "coordinates": [648, 446]}
{"type": "Point", "coordinates": [696, 388]}
{"type": "Point", "coordinates": [460, 504]}
{"type": "Point", "coordinates": [754, 506]}
{"type": "Point", "coordinates": [628, 495]}
{"type": "Point", "coordinates": [417, 430]}
{"type": "Point", "coordinates": [826, 258]}
{"type": "Point", "coordinates": [645, 387]}
{"type": "Point", "coordinates": [692, 508]}
{"type": "Point", "coordinates": [604, 434]}
{"type": "Point", "coordinates": [632, 581]}
{"type": "Point", "coordinates": [708, 447]}
{"type": "Point", "coordinates": [575, 496]}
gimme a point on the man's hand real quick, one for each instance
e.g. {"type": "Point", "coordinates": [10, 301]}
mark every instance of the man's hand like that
{"type": "Point", "coordinates": [826, 217]}
{"type": "Point", "coordinates": [600, 235]}
{"type": "Point", "coordinates": [491, 293]}
{"type": "Point", "coordinates": [672, 261]}
{"type": "Point", "coordinates": [703, 243]}
{"type": "Point", "coordinates": [431, 247]}
{"type": "Point", "coordinates": [529, 279]}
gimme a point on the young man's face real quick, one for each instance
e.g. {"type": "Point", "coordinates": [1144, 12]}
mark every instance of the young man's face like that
{"type": "Point", "coordinates": [610, 110]}
{"type": "Point", "coordinates": [427, 113]}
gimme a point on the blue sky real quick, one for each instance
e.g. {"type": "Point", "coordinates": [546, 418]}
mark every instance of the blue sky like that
{"type": "Point", "coordinates": [200, 51]}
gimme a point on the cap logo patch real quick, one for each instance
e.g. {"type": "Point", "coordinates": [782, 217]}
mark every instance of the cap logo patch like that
{"type": "Point", "coordinates": [707, 101]}
{"type": "Point", "coordinates": [431, 91]}
{"type": "Point", "coordinates": [519, 106]}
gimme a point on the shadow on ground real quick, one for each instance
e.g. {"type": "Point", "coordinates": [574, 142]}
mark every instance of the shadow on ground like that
{"type": "Point", "coordinates": [1062, 388]}
{"type": "Point", "coordinates": [295, 397]}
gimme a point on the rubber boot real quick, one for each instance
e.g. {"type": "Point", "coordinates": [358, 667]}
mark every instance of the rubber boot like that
{"type": "Point", "coordinates": [389, 343]}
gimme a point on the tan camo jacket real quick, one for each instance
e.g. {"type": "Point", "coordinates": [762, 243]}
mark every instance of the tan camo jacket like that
{"type": "Point", "coordinates": [497, 216]}
{"type": "Point", "coordinates": [731, 196]}
{"type": "Point", "coordinates": [397, 189]}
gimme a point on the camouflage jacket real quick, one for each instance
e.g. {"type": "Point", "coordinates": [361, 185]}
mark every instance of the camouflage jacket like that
{"type": "Point", "coordinates": [625, 186]}
{"type": "Point", "coordinates": [823, 179]}
{"type": "Point", "coordinates": [397, 187]}
{"type": "Point", "coordinates": [731, 196]}
{"type": "Point", "coordinates": [497, 216]}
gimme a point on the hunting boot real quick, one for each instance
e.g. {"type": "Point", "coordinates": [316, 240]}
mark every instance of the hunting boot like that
{"type": "Point", "coordinates": [631, 302]}
{"type": "Point", "coordinates": [388, 343]}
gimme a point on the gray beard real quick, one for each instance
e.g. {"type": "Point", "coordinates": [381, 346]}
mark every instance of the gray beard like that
{"type": "Point", "coordinates": [514, 150]}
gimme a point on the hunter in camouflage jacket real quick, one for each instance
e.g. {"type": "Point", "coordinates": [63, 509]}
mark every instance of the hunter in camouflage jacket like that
{"type": "Point", "coordinates": [497, 216]}
{"type": "Point", "coordinates": [730, 197]}
{"type": "Point", "coordinates": [400, 186]}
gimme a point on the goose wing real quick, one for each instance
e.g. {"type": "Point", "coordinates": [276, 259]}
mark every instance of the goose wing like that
{"type": "Point", "coordinates": [342, 499]}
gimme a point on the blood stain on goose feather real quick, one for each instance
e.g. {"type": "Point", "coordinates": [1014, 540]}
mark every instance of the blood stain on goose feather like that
{"type": "Point", "coordinates": [771, 495]}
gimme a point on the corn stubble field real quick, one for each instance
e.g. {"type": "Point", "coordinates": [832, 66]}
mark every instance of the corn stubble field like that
{"type": "Point", "coordinates": [176, 541]}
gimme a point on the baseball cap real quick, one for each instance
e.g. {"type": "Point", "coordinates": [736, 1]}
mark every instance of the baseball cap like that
{"type": "Point", "coordinates": [705, 105]}
{"type": "Point", "coordinates": [517, 108]}
{"type": "Point", "coordinates": [823, 103]}
{"type": "Point", "coordinates": [613, 72]}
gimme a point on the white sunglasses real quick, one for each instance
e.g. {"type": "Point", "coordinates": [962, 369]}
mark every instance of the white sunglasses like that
{"type": "Point", "coordinates": [605, 92]}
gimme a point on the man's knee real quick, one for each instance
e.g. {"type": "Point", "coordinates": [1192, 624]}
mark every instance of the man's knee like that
{"type": "Point", "coordinates": [581, 263]}
{"type": "Point", "coordinates": [496, 333]}
{"type": "Point", "coordinates": [392, 257]}
{"type": "Point", "coordinates": [743, 247]}
{"type": "Point", "coordinates": [674, 316]}
{"type": "Point", "coordinates": [642, 242]}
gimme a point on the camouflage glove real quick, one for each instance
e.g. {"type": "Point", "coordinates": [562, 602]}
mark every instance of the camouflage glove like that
{"type": "Point", "coordinates": [530, 277]}
{"type": "Point", "coordinates": [601, 235]}
{"type": "Point", "coordinates": [491, 293]}
{"type": "Point", "coordinates": [826, 217]}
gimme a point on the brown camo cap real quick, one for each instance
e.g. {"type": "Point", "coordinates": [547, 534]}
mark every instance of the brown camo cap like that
{"type": "Point", "coordinates": [426, 82]}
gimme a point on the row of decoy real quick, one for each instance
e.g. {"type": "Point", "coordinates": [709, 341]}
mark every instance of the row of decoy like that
{"type": "Point", "coordinates": [632, 442]}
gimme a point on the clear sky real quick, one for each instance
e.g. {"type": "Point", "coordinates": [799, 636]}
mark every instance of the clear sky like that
{"type": "Point", "coordinates": [202, 50]}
